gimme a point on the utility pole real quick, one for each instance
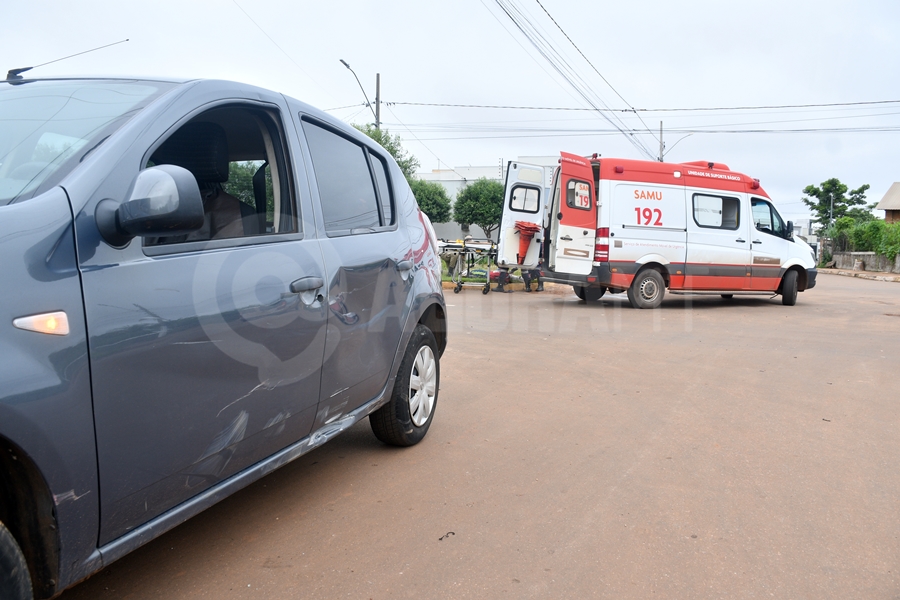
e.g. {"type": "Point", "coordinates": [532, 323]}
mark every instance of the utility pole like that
{"type": "Point", "coordinates": [378, 101]}
{"type": "Point", "coordinates": [661, 145]}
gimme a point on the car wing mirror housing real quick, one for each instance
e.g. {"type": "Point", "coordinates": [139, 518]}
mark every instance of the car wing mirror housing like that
{"type": "Point", "coordinates": [163, 200]}
{"type": "Point", "coordinates": [789, 230]}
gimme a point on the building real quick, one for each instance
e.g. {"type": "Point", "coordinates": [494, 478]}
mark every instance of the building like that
{"type": "Point", "coordinates": [890, 204]}
{"type": "Point", "coordinates": [457, 178]}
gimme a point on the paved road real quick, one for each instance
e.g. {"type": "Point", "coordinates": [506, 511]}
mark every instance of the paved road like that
{"type": "Point", "coordinates": [708, 449]}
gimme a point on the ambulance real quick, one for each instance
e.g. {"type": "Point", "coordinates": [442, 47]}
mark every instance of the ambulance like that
{"type": "Point", "coordinates": [642, 227]}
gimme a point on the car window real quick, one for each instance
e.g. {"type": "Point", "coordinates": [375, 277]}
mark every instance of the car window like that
{"type": "Point", "coordinates": [47, 128]}
{"type": "Point", "coordinates": [766, 218]}
{"type": "Point", "coordinates": [525, 199]}
{"type": "Point", "coordinates": [717, 212]}
{"type": "Point", "coordinates": [237, 155]}
{"type": "Point", "coordinates": [347, 190]}
{"type": "Point", "coordinates": [379, 168]}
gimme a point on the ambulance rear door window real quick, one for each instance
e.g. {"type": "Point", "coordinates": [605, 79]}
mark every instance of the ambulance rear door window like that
{"type": "Point", "coordinates": [525, 199]}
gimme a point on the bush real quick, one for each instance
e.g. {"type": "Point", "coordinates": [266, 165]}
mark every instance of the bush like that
{"type": "Point", "coordinates": [889, 245]}
{"type": "Point", "coordinates": [867, 237]}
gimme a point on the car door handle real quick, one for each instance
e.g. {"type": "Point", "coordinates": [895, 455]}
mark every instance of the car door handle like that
{"type": "Point", "coordinates": [404, 265]}
{"type": "Point", "coordinates": [306, 284]}
{"type": "Point", "coordinates": [566, 238]}
{"type": "Point", "coordinates": [741, 241]}
{"type": "Point", "coordinates": [757, 242]}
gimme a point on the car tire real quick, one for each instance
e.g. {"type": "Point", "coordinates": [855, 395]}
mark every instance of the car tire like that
{"type": "Point", "coordinates": [789, 288]}
{"type": "Point", "coordinates": [15, 581]}
{"type": "Point", "coordinates": [405, 419]}
{"type": "Point", "coordinates": [647, 289]}
{"type": "Point", "coordinates": [589, 294]}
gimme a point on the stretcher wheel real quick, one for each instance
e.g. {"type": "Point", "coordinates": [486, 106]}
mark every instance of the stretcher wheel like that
{"type": "Point", "coordinates": [457, 288]}
{"type": "Point", "coordinates": [486, 289]}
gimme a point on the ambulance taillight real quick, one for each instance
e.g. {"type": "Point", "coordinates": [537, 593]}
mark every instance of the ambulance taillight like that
{"type": "Point", "coordinates": [601, 247]}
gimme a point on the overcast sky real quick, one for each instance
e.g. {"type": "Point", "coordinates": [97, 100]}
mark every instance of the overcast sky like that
{"type": "Point", "coordinates": [655, 54]}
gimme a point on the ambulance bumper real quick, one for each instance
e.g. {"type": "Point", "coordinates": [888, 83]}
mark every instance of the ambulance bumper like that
{"type": "Point", "coordinates": [811, 278]}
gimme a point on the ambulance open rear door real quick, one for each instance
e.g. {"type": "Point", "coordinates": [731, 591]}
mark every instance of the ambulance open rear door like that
{"type": "Point", "coordinates": [573, 228]}
{"type": "Point", "coordinates": [519, 242]}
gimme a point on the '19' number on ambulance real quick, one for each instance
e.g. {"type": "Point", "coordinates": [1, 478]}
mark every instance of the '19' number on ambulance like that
{"type": "Point", "coordinates": [645, 216]}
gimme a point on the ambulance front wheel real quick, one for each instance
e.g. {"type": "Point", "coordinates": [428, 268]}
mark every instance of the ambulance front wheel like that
{"type": "Point", "coordinates": [789, 288]}
{"type": "Point", "coordinates": [647, 289]}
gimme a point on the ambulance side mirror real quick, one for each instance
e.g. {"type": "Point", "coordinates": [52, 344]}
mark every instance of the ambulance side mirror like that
{"type": "Point", "coordinates": [789, 230]}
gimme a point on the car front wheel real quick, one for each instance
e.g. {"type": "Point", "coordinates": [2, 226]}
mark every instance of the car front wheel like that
{"type": "Point", "coordinates": [405, 419]}
{"type": "Point", "coordinates": [15, 581]}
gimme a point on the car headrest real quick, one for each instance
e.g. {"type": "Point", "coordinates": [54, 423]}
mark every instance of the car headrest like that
{"type": "Point", "coordinates": [201, 148]}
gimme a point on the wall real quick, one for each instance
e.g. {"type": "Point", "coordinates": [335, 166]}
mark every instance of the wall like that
{"type": "Point", "coordinates": [873, 262]}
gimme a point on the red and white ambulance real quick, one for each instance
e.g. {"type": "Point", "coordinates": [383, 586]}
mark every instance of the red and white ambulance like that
{"type": "Point", "coordinates": [612, 224]}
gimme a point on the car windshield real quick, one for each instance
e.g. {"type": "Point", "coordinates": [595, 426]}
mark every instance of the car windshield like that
{"type": "Point", "coordinates": [48, 127]}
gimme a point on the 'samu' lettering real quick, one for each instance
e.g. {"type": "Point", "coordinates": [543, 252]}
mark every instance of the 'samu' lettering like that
{"type": "Point", "coordinates": [645, 195]}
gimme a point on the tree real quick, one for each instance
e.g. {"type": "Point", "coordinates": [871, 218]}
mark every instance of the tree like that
{"type": "Point", "coordinates": [830, 201]}
{"type": "Point", "coordinates": [480, 203]}
{"type": "Point", "coordinates": [432, 199]}
{"type": "Point", "coordinates": [407, 162]}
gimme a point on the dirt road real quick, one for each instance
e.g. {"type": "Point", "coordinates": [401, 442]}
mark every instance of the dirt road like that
{"type": "Point", "coordinates": [708, 449]}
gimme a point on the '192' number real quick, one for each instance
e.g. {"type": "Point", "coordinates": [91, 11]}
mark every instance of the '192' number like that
{"type": "Point", "coordinates": [645, 216]}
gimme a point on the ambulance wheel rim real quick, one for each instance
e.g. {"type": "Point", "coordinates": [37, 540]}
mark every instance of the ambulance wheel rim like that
{"type": "Point", "coordinates": [649, 290]}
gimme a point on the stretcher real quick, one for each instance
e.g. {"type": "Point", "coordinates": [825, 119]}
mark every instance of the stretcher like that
{"type": "Point", "coordinates": [474, 258]}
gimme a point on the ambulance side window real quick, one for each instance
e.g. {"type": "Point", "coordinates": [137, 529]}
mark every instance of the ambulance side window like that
{"type": "Point", "coordinates": [578, 194]}
{"type": "Point", "coordinates": [525, 199]}
{"type": "Point", "coordinates": [717, 212]}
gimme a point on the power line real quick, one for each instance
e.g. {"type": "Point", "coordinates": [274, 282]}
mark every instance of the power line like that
{"type": "Point", "coordinates": [582, 133]}
{"type": "Point", "coordinates": [624, 110]}
{"type": "Point", "coordinates": [296, 64]}
{"type": "Point", "coordinates": [594, 68]}
{"type": "Point", "coordinates": [556, 60]}
{"type": "Point", "coordinates": [423, 144]}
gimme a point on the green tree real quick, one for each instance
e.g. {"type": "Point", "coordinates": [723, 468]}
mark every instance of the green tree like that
{"type": "Point", "coordinates": [407, 162]}
{"type": "Point", "coordinates": [240, 184]}
{"type": "Point", "coordinates": [830, 201]}
{"type": "Point", "coordinates": [432, 199]}
{"type": "Point", "coordinates": [480, 203]}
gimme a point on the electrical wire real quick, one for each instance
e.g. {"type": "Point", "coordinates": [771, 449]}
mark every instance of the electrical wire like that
{"type": "Point", "coordinates": [594, 68]}
{"type": "Point", "coordinates": [296, 64]}
{"type": "Point", "coordinates": [698, 109]}
{"type": "Point", "coordinates": [423, 144]}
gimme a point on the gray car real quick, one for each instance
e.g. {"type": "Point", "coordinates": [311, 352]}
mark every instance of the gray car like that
{"type": "Point", "coordinates": [201, 281]}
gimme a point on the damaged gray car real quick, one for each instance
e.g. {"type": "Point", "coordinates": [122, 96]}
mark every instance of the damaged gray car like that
{"type": "Point", "coordinates": [202, 281]}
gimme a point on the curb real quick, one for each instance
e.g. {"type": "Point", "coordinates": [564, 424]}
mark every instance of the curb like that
{"type": "Point", "coordinates": [861, 275]}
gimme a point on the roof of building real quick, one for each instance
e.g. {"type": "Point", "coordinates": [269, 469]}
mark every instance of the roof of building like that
{"type": "Point", "coordinates": [891, 200]}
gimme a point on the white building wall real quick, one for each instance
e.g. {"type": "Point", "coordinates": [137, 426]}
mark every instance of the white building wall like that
{"type": "Point", "coordinates": [457, 178]}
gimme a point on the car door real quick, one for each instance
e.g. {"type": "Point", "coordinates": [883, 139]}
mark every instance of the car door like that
{"type": "Point", "coordinates": [769, 245]}
{"type": "Point", "coordinates": [574, 223]}
{"type": "Point", "coordinates": [718, 233]}
{"type": "Point", "coordinates": [368, 263]}
{"type": "Point", "coordinates": [205, 354]}
{"type": "Point", "coordinates": [523, 215]}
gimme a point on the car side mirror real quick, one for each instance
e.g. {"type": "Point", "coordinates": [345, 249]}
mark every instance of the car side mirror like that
{"type": "Point", "coordinates": [789, 230]}
{"type": "Point", "coordinates": [162, 200]}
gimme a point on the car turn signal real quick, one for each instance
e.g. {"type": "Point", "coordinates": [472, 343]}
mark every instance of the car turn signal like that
{"type": "Point", "coordinates": [54, 323]}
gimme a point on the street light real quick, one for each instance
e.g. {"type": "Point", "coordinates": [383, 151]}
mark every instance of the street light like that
{"type": "Point", "coordinates": [369, 104]}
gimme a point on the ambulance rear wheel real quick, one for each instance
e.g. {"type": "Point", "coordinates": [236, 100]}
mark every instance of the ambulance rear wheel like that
{"type": "Point", "coordinates": [647, 289]}
{"type": "Point", "coordinates": [589, 294]}
{"type": "Point", "coordinates": [789, 288]}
